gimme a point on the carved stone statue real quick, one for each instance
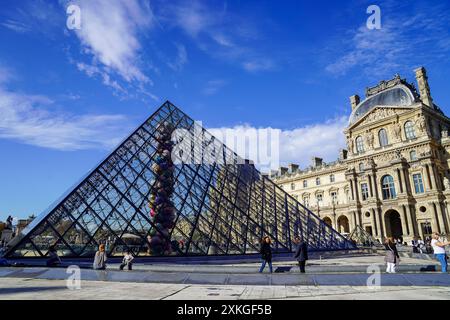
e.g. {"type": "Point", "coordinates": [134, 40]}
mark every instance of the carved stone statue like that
{"type": "Point", "coordinates": [370, 139]}
{"type": "Point", "coordinates": [421, 123]}
{"type": "Point", "coordinates": [398, 155]}
{"type": "Point", "coordinates": [446, 183]}
{"type": "Point", "coordinates": [350, 144]}
{"type": "Point", "coordinates": [397, 130]}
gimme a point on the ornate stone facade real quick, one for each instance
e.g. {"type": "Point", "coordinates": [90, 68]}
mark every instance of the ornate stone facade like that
{"type": "Point", "coordinates": [395, 178]}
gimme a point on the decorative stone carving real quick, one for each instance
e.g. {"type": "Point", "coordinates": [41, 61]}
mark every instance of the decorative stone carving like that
{"type": "Point", "coordinates": [397, 130]}
{"type": "Point", "coordinates": [377, 114]}
{"type": "Point", "coordinates": [369, 139]}
{"type": "Point", "coordinates": [446, 183]}
{"type": "Point", "coordinates": [398, 155]}
{"type": "Point", "coordinates": [421, 123]}
{"type": "Point", "coordinates": [350, 144]}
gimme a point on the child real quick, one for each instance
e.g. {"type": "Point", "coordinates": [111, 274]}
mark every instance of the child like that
{"type": "Point", "coordinates": [127, 261]}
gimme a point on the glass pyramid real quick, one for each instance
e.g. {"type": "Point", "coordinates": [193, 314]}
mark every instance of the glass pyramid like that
{"type": "Point", "coordinates": [150, 198]}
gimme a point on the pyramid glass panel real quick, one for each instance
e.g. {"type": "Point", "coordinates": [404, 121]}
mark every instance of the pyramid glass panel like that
{"type": "Point", "coordinates": [173, 189]}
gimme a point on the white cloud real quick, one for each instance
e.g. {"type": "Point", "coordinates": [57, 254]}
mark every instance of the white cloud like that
{"type": "Point", "coordinates": [297, 145]}
{"type": "Point", "coordinates": [217, 32]}
{"type": "Point", "coordinates": [258, 65]}
{"type": "Point", "coordinates": [213, 86]}
{"type": "Point", "coordinates": [110, 33]}
{"type": "Point", "coordinates": [180, 60]}
{"type": "Point", "coordinates": [27, 118]}
{"type": "Point", "coordinates": [394, 47]}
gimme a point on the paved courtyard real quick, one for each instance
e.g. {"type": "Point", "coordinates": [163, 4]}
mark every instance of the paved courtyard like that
{"type": "Point", "coordinates": [332, 278]}
{"type": "Point", "coordinates": [23, 288]}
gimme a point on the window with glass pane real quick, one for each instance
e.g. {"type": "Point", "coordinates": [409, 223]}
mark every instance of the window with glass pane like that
{"type": "Point", "coordinates": [364, 191]}
{"type": "Point", "coordinates": [305, 184]}
{"type": "Point", "coordinates": [332, 179]}
{"type": "Point", "coordinates": [409, 130]}
{"type": "Point", "coordinates": [413, 155]}
{"type": "Point", "coordinates": [418, 183]}
{"type": "Point", "coordinates": [388, 187]}
{"type": "Point", "coordinates": [382, 136]}
{"type": "Point", "coordinates": [319, 198]}
{"type": "Point", "coordinates": [292, 186]}
{"type": "Point", "coordinates": [334, 198]}
{"type": "Point", "coordinates": [317, 181]}
{"type": "Point", "coordinates": [306, 202]}
{"type": "Point", "coordinates": [359, 144]}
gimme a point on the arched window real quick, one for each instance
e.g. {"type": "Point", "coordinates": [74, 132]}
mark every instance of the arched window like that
{"type": "Point", "coordinates": [332, 178]}
{"type": "Point", "coordinates": [383, 138]}
{"type": "Point", "coordinates": [361, 167]}
{"type": "Point", "coordinates": [359, 144]}
{"type": "Point", "coordinates": [317, 181]}
{"type": "Point", "coordinates": [292, 186]}
{"type": "Point", "coordinates": [409, 130]}
{"type": "Point", "coordinates": [413, 155]}
{"type": "Point", "coordinates": [388, 187]}
{"type": "Point", "coordinates": [305, 183]}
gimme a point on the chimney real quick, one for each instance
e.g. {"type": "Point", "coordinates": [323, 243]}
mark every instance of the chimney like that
{"type": "Point", "coordinates": [354, 101]}
{"type": "Point", "coordinates": [343, 154]}
{"type": "Point", "coordinates": [424, 88]}
{"type": "Point", "coordinates": [293, 167]}
{"type": "Point", "coordinates": [317, 162]}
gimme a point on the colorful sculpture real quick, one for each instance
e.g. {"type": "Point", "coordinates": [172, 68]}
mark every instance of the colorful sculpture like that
{"type": "Point", "coordinates": [162, 211]}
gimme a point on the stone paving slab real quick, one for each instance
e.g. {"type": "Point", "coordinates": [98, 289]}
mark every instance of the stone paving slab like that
{"type": "Point", "coordinates": [347, 279]}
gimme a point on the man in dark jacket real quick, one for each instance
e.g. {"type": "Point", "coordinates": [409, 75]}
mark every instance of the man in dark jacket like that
{"type": "Point", "coordinates": [301, 253]}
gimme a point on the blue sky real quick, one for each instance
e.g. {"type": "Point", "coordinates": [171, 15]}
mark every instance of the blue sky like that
{"type": "Point", "coordinates": [67, 97]}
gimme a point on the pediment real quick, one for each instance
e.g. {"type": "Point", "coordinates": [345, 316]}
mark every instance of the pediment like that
{"type": "Point", "coordinates": [379, 113]}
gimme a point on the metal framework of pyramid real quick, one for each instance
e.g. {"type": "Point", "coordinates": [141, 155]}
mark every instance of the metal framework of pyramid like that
{"type": "Point", "coordinates": [363, 238]}
{"type": "Point", "coordinates": [222, 206]}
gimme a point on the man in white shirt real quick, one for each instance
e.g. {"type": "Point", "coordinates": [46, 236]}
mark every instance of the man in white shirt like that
{"type": "Point", "coordinates": [439, 250]}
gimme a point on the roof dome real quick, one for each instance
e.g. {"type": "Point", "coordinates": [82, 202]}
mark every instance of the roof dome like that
{"type": "Point", "coordinates": [398, 96]}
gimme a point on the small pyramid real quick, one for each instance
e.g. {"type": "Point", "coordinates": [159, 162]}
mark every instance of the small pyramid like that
{"type": "Point", "coordinates": [173, 189]}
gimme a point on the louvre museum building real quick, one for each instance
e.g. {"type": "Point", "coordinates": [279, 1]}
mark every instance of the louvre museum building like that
{"type": "Point", "coordinates": [393, 178]}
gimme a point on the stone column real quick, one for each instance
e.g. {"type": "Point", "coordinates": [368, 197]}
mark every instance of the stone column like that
{"type": "Point", "coordinates": [427, 178]}
{"type": "Point", "coordinates": [352, 189]}
{"type": "Point", "coordinates": [381, 223]}
{"type": "Point", "coordinates": [400, 181]}
{"type": "Point", "coordinates": [433, 178]}
{"type": "Point", "coordinates": [434, 222]}
{"type": "Point", "coordinates": [410, 220]}
{"type": "Point", "coordinates": [371, 192]}
{"type": "Point", "coordinates": [375, 228]}
{"type": "Point", "coordinates": [353, 221]}
{"type": "Point", "coordinates": [441, 218]}
{"type": "Point", "coordinates": [405, 183]}
{"type": "Point", "coordinates": [404, 219]}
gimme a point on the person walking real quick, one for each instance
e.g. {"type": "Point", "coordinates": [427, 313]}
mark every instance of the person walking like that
{"type": "Point", "coordinates": [100, 258]}
{"type": "Point", "coordinates": [266, 254]}
{"type": "Point", "coordinates": [301, 253]}
{"type": "Point", "coordinates": [127, 261]}
{"type": "Point", "coordinates": [392, 258]}
{"type": "Point", "coordinates": [439, 250]}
